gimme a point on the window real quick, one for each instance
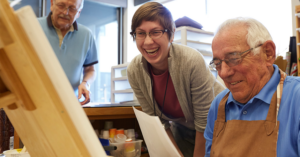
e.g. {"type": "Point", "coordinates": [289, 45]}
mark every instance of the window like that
{"type": "Point", "coordinates": [35, 5]}
{"type": "Point", "coordinates": [107, 39]}
{"type": "Point", "coordinates": [275, 15]}
{"type": "Point", "coordinates": [103, 22]}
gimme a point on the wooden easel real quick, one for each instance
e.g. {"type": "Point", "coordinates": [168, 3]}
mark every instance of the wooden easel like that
{"type": "Point", "coordinates": [35, 92]}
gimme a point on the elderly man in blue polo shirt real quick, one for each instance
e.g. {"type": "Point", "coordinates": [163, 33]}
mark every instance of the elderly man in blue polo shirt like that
{"type": "Point", "coordinates": [72, 43]}
{"type": "Point", "coordinates": [259, 114]}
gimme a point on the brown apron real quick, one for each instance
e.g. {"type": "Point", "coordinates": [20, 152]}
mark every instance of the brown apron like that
{"type": "Point", "coordinates": [241, 138]}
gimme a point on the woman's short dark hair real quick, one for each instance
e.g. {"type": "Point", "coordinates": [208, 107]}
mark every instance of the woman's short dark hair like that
{"type": "Point", "coordinates": [153, 11]}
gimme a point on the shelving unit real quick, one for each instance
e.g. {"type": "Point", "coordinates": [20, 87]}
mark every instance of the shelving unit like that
{"type": "Point", "coordinates": [193, 37]}
{"type": "Point", "coordinates": [297, 10]}
{"type": "Point", "coordinates": [120, 87]}
{"type": "Point", "coordinates": [198, 39]}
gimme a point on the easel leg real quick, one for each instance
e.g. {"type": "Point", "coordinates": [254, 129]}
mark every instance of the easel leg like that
{"type": "Point", "coordinates": [16, 140]}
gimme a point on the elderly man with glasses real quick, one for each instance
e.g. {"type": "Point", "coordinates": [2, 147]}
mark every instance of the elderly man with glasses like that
{"type": "Point", "coordinates": [259, 114]}
{"type": "Point", "coordinates": [73, 44]}
{"type": "Point", "coordinates": [169, 80]}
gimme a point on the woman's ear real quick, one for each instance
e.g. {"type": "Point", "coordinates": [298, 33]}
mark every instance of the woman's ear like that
{"type": "Point", "coordinates": [269, 51]}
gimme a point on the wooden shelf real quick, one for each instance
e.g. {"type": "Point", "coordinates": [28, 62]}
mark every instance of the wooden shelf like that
{"type": "Point", "coordinates": [99, 113]}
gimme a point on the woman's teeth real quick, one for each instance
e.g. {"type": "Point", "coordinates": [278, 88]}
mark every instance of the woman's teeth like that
{"type": "Point", "coordinates": [152, 52]}
{"type": "Point", "coordinates": [233, 83]}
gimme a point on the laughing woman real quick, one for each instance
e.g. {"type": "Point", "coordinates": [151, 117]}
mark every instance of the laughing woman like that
{"type": "Point", "coordinates": [171, 81]}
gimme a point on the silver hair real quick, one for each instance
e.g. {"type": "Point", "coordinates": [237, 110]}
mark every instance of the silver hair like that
{"type": "Point", "coordinates": [257, 32]}
{"type": "Point", "coordinates": [81, 5]}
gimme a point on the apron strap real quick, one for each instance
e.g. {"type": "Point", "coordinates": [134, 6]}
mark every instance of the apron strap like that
{"type": "Point", "coordinates": [279, 91]}
{"type": "Point", "coordinates": [221, 109]}
{"type": "Point", "coordinates": [220, 122]}
{"type": "Point", "coordinates": [270, 122]}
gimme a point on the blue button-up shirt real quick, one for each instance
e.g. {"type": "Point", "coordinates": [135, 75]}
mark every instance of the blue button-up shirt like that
{"type": "Point", "coordinates": [288, 144]}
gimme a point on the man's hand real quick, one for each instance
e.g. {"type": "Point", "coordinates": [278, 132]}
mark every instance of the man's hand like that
{"type": "Point", "coordinates": [83, 90]}
{"type": "Point", "coordinates": [89, 75]}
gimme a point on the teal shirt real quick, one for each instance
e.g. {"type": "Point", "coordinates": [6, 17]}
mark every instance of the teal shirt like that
{"type": "Point", "coordinates": [78, 49]}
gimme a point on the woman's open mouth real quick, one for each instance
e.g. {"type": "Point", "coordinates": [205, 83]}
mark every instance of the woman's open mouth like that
{"type": "Point", "coordinates": [152, 52]}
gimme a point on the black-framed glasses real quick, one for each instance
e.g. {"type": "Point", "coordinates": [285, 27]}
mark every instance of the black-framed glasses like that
{"type": "Point", "coordinates": [231, 59]}
{"type": "Point", "coordinates": [155, 34]}
{"type": "Point", "coordinates": [62, 7]}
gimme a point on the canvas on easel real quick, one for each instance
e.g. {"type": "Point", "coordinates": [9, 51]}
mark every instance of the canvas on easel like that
{"type": "Point", "coordinates": [35, 92]}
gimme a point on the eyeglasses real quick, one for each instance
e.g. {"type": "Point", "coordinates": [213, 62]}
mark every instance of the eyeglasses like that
{"type": "Point", "coordinates": [63, 7]}
{"type": "Point", "coordinates": [140, 35]}
{"type": "Point", "coordinates": [231, 59]}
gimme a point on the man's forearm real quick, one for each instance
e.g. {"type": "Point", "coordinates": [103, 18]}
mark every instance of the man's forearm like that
{"type": "Point", "coordinates": [89, 74]}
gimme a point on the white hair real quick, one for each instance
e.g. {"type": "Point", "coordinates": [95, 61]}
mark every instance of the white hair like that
{"type": "Point", "coordinates": [81, 5]}
{"type": "Point", "coordinates": [257, 32]}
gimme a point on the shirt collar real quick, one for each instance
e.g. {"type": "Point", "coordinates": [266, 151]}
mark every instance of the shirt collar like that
{"type": "Point", "coordinates": [266, 93]}
{"type": "Point", "coordinates": [50, 24]}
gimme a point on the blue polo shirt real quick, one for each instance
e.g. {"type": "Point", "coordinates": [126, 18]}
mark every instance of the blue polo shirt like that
{"type": "Point", "coordinates": [288, 144]}
{"type": "Point", "coordinates": [78, 49]}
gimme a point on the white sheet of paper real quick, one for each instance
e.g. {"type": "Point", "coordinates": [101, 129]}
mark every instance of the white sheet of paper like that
{"type": "Point", "coordinates": [156, 138]}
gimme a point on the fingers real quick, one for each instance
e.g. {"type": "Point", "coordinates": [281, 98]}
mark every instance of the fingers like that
{"type": "Point", "coordinates": [79, 92]}
{"type": "Point", "coordinates": [86, 94]}
{"type": "Point", "coordinates": [85, 102]}
{"type": "Point", "coordinates": [82, 90]}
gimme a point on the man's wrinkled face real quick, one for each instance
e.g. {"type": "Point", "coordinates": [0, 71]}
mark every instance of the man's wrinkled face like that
{"type": "Point", "coordinates": [246, 79]}
{"type": "Point", "coordinates": [65, 12]}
